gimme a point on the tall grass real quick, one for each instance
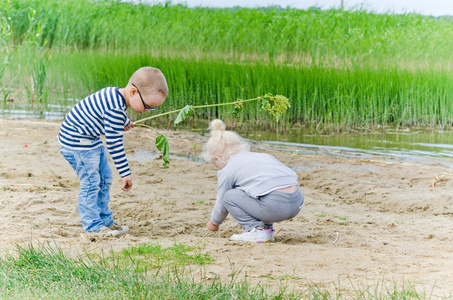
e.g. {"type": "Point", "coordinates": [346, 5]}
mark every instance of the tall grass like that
{"type": "Point", "coordinates": [335, 35]}
{"type": "Point", "coordinates": [323, 97]}
{"type": "Point", "coordinates": [5, 50]}
{"type": "Point", "coordinates": [340, 69]}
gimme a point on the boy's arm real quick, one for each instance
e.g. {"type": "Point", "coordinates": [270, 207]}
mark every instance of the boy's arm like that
{"type": "Point", "coordinates": [130, 125]}
{"type": "Point", "coordinates": [114, 128]}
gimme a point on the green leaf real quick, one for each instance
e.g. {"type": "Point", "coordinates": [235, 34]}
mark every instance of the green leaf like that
{"type": "Point", "coordinates": [164, 147]}
{"type": "Point", "coordinates": [183, 114]}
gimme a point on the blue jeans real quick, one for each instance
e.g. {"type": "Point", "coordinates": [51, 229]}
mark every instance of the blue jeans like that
{"type": "Point", "coordinates": [95, 176]}
{"type": "Point", "coordinates": [265, 210]}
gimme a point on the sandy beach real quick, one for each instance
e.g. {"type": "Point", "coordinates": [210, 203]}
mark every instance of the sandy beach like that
{"type": "Point", "coordinates": [365, 220]}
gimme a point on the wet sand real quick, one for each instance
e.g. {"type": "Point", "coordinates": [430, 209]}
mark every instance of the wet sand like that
{"type": "Point", "coordinates": [365, 220]}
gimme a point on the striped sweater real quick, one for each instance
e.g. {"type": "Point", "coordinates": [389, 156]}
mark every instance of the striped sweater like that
{"type": "Point", "coordinates": [102, 113]}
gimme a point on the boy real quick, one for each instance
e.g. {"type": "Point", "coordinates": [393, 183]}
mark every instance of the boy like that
{"type": "Point", "coordinates": [104, 113]}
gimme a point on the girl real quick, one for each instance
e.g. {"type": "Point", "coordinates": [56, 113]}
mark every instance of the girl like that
{"type": "Point", "coordinates": [255, 188]}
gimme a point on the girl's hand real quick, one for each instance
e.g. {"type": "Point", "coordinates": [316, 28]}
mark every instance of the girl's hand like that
{"type": "Point", "coordinates": [211, 226]}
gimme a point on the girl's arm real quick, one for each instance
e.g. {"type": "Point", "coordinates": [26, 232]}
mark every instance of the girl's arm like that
{"type": "Point", "coordinates": [211, 226]}
{"type": "Point", "coordinates": [219, 213]}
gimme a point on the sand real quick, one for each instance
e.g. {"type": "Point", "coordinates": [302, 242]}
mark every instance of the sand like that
{"type": "Point", "coordinates": [366, 220]}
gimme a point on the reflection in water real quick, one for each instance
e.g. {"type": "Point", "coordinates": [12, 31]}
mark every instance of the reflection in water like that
{"type": "Point", "coordinates": [145, 155]}
{"type": "Point", "coordinates": [409, 143]}
{"type": "Point", "coordinates": [418, 144]}
{"type": "Point", "coordinates": [50, 112]}
{"type": "Point", "coordinates": [25, 114]}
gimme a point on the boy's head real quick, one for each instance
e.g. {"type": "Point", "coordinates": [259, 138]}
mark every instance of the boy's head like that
{"type": "Point", "coordinates": [147, 89]}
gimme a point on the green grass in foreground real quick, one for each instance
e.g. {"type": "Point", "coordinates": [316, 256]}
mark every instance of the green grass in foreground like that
{"type": "Point", "coordinates": [47, 272]}
{"type": "Point", "coordinates": [149, 271]}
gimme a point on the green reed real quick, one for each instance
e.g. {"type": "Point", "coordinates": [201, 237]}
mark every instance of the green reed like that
{"type": "Point", "coordinates": [323, 37]}
{"type": "Point", "coordinates": [340, 69]}
{"type": "Point", "coordinates": [326, 98]}
{"type": "Point", "coordinates": [37, 58]}
{"type": "Point", "coordinates": [32, 65]}
{"type": "Point", "coordinates": [5, 49]}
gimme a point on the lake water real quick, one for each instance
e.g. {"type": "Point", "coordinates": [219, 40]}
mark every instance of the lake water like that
{"type": "Point", "coordinates": [407, 144]}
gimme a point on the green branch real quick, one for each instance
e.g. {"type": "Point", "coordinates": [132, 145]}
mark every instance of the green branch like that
{"type": "Point", "coordinates": [194, 107]}
{"type": "Point", "coordinates": [157, 116]}
{"type": "Point", "coordinates": [275, 105]}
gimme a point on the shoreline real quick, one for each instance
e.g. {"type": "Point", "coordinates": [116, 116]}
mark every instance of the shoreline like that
{"type": "Point", "coordinates": [364, 220]}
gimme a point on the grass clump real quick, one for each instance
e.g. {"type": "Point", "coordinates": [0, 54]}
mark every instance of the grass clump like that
{"type": "Point", "coordinates": [150, 271]}
{"type": "Point", "coordinates": [47, 272]}
{"type": "Point", "coordinates": [153, 256]}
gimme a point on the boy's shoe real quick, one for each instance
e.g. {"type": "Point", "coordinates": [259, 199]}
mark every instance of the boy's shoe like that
{"type": "Point", "coordinates": [114, 230]}
{"type": "Point", "coordinates": [256, 235]}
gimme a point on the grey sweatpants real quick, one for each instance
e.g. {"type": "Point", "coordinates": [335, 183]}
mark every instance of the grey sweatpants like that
{"type": "Point", "coordinates": [265, 210]}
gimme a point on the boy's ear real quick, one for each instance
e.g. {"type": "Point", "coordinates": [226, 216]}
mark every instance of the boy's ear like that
{"type": "Point", "coordinates": [132, 91]}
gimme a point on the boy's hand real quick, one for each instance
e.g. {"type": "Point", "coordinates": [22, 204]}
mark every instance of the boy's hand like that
{"type": "Point", "coordinates": [211, 226]}
{"type": "Point", "coordinates": [126, 183]}
{"type": "Point", "coordinates": [129, 126]}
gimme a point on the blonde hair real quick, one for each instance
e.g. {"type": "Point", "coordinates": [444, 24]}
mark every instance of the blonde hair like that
{"type": "Point", "coordinates": [223, 143]}
{"type": "Point", "coordinates": [150, 81]}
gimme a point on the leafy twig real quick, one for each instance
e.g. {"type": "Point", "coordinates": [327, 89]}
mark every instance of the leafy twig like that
{"type": "Point", "coordinates": [275, 105]}
{"type": "Point", "coordinates": [186, 108]}
{"type": "Point", "coordinates": [161, 144]}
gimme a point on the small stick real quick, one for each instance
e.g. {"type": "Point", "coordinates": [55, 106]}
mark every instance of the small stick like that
{"type": "Point", "coordinates": [436, 180]}
{"type": "Point", "coordinates": [268, 240]}
{"type": "Point", "coordinates": [335, 241]}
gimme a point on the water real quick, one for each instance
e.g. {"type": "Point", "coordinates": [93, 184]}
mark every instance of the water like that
{"type": "Point", "coordinates": [145, 155]}
{"type": "Point", "coordinates": [24, 114]}
{"type": "Point", "coordinates": [407, 144]}
{"type": "Point", "coordinates": [52, 112]}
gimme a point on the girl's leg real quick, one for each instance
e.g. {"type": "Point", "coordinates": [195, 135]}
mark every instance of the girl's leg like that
{"type": "Point", "coordinates": [86, 164]}
{"type": "Point", "coordinates": [106, 179]}
{"type": "Point", "coordinates": [242, 208]}
{"type": "Point", "coordinates": [251, 212]}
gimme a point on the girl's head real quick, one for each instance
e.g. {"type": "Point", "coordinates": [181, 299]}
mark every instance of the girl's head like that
{"type": "Point", "coordinates": [222, 144]}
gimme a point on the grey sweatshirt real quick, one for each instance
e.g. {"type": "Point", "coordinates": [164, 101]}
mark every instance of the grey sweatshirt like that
{"type": "Point", "coordinates": [257, 174]}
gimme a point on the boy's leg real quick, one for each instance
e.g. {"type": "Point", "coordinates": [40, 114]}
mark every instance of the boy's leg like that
{"type": "Point", "coordinates": [104, 192]}
{"type": "Point", "coordinates": [86, 164]}
{"type": "Point", "coordinates": [251, 212]}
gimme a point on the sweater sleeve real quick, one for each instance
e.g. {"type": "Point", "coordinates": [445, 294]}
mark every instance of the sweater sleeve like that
{"type": "Point", "coordinates": [127, 122]}
{"type": "Point", "coordinates": [115, 121]}
{"type": "Point", "coordinates": [219, 213]}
